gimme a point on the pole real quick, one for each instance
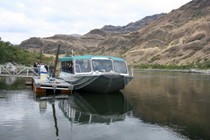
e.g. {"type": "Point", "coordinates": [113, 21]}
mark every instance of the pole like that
{"type": "Point", "coordinates": [53, 104]}
{"type": "Point", "coordinates": [40, 58]}
{"type": "Point", "coordinates": [56, 60]}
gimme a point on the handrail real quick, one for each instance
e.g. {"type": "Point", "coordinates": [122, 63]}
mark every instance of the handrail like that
{"type": "Point", "coordinates": [2, 68]}
{"type": "Point", "coordinates": [19, 70]}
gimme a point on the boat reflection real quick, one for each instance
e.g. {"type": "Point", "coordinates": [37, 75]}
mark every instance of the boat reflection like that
{"type": "Point", "coordinates": [86, 108]}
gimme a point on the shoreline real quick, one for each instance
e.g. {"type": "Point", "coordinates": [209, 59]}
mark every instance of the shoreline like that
{"type": "Point", "coordinates": [207, 71]}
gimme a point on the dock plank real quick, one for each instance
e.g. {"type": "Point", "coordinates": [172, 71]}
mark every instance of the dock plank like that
{"type": "Point", "coordinates": [40, 87]}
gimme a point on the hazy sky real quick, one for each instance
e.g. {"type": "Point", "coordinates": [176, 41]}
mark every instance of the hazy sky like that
{"type": "Point", "coordinates": [22, 19]}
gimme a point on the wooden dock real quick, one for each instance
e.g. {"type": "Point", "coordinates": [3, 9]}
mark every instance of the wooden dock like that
{"type": "Point", "coordinates": [41, 88]}
{"type": "Point", "coordinates": [50, 87]}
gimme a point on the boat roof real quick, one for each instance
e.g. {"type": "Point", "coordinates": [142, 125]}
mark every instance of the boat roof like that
{"type": "Point", "coordinates": [79, 57]}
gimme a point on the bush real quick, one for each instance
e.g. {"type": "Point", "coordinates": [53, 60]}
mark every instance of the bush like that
{"type": "Point", "coordinates": [16, 54]}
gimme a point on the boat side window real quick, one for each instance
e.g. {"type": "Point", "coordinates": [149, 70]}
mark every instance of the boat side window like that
{"type": "Point", "coordinates": [120, 67]}
{"type": "Point", "coordinates": [67, 66]}
{"type": "Point", "coordinates": [63, 66]}
{"type": "Point", "coordinates": [102, 65]}
{"type": "Point", "coordinates": [82, 66]}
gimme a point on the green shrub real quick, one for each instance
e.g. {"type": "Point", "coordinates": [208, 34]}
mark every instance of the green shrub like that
{"type": "Point", "coordinates": [16, 54]}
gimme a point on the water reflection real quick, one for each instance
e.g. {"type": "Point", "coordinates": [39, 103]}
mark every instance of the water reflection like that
{"type": "Point", "coordinates": [177, 100]}
{"type": "Point", "coordinates": [43, 108]}
{"type": "Point", "coordinates": [12, 83]}
{"type": "Point", "coordinates": [77, 117]}
{"type": "Point", "coordinates": [10, 80]}
{"type": "Point", "coordinates": [95, 108]}
{"type": "Point", "coordinates": [155, 106]}
{"type": "Point", "coordinates": [55, 120]}
{"type": "Point", "coordinates": [86, 108]}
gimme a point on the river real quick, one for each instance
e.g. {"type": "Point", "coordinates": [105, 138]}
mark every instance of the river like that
{"type": "Point", "coordinates": [156, 105]}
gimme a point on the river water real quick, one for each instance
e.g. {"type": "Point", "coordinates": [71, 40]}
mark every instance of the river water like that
{"type": "Point", "coordinates": [156, 105]}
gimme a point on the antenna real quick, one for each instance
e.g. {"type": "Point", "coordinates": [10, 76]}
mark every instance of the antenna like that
{"type": "Point", "coordinates": [72, 52]}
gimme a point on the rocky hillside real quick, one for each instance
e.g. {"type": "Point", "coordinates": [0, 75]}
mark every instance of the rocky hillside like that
{"type": "Point", "coordinates": [179, 37]}
{"type": "Point", "coordinates": [80, 44]}
{"type": "Point", "coordinates": [133, 26]}
{"type": "Point", "coordinates": [87, 43]}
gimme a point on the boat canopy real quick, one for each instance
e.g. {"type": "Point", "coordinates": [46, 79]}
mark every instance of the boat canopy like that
{"type": "Point", "coordinates": [88, 57]}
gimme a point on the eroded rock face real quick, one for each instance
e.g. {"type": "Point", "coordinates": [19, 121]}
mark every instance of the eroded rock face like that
{"type": "Point", "coordinates": [181, 36]}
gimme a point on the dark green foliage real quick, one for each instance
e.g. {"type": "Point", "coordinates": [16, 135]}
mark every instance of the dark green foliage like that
{"type": "Point", "coordinates": [157, 57]}
{"type": "Point", "coordinates": [208, 40]}
{"type": "Point", "coordinates": [15, 54]}
{"type": "Point", "coordinates": [204, 65]}
{"type": "Point", "coordinates": [198, 14]}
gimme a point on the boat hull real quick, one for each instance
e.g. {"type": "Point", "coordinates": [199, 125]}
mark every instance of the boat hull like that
{"type": "Point", "coordinates": [102, 83]}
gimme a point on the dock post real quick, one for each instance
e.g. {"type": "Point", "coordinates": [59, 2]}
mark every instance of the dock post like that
{"type": "Point", "coordinates": [27, 71]}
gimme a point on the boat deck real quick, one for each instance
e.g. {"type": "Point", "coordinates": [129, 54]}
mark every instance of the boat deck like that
{"type": "Point", "coordinates": [50, 87]}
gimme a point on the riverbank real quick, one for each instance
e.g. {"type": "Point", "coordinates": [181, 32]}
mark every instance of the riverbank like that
{"type": "Point", "coordinates": [207, 71]}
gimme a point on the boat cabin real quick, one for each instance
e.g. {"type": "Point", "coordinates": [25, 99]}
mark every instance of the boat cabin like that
{"type": "Point", "coordinates": [93, 64]}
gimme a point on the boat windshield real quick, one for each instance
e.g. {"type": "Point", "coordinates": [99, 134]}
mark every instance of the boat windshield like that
{"type": "Point", "coordinates": [120, 66]}
{"type": "Point", "coordinates": [102, 65]}
{"type": "Point", "coordinates": [82, 66]}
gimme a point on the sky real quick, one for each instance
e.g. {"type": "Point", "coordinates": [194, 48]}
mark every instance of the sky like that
{"type": "Point", "coordinates": [23, 19]}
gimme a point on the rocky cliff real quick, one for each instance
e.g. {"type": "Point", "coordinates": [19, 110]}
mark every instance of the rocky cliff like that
{"type": "Point", "coordinates": [179, 37]}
